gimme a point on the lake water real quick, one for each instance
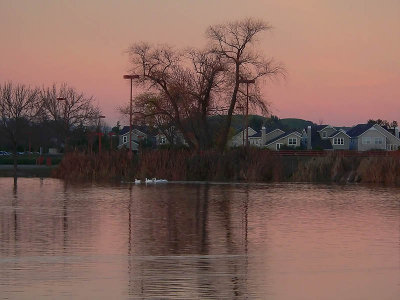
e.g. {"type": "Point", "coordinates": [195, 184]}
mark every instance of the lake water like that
{"type": "Point", "coordinates": [198, 241]}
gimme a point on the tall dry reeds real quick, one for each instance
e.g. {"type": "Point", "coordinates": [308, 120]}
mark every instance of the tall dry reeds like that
{"type": "Point", "coordinates": [104, 166]}
{"type": "Point", "coordinates": [337, 168]}
{"type": "Point", "coordinates": [254, 165]}
{"type": "Point", "coordinates": [380, 170]}
{"type": "Point", "coordinates": [237, 165]}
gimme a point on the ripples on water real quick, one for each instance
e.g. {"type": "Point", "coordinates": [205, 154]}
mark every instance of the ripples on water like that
{"type": "Point", "coordinates": [191, 241]}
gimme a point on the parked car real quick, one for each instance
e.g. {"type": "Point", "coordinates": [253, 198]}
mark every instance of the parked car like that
{"type": "Point", "coordinates": [4, 153]}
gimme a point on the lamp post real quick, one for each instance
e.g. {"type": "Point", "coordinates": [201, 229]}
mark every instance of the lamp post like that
{"type": "Point", "coordinates": [247, 82]}
{"type": "Point", "coordinates": [99, 133]}
{"type": "Point", "coordinates": [65, 120]}
{"type": "Point", "coordinates": [111, 134]}
{"type": "Point", "coordinates": [131, 77]}
{"type": "Point", "coordinates": [240, 107]}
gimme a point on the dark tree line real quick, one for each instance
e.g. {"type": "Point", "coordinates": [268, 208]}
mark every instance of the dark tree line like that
{"type": "Point", "coordinates": [385, 123]}
{"type": "Point", "coordinates": [43, 116]}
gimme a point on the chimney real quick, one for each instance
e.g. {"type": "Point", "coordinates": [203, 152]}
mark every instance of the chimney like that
{"type": "Point", "coordinates": [309, 147]}
{"type": "Point", "coordinates": [263, 135]}
{"type": "Point", "coordinates": [396, 132]}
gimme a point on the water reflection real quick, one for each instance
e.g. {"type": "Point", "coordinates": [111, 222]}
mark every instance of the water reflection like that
{"type": "Point", "coordinates": [198, 241]}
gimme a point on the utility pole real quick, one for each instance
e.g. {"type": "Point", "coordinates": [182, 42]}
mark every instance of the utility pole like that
{"type": "Point", "coordinates": [100, 133]}
{"type": "Point", "coordinates": [247, 82]}
{"type": "Point", "coordinates": [131, 77]}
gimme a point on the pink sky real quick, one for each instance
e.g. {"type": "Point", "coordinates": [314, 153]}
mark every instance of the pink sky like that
{"type": "Point", "coordinates": [342, 57]}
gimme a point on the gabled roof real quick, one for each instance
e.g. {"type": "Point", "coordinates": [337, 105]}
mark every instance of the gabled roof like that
{"type": "Point", "coordinates": [337, 132]}
{"type": "Point", "coordinates": [271, 129]}
{"type": "Point", "coordinates": [358, 130]}
{"type": "Point", "coordinates": [256, 135]}
{"type": "Point", "coordinates": [259, 132]}
{"type": "Point", "coordinates": [283, 135]}
{"type": "Point", "coordinates": [317, 141]}
{"type": "Point", "coordinates": [320, 127]}
{"type": "Point", "coordinates": [125, 130]}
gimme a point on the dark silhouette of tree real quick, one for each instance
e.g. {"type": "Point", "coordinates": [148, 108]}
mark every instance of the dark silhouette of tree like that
{"type": "Point", "coordinates": [385, 123]}
{"type": "Point", "coordinates": [183, 88]}
{"type": "Point", "coordinates": [234, 42]}
{"type": "Point", "coordinates": [73, 111]}
{"type": "Point", "coordinates": [179, 89]}
{"type": "Point", "coordinates": [19, 106]}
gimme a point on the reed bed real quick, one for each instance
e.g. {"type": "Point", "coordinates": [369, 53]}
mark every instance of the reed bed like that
{"type": "Point", "coordinates": [254, 165]}
{"type": "Point", "coordinates": [338, 168]}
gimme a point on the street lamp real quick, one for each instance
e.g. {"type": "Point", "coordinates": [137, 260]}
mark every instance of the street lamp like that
{"type": "Point", "coordinates": [131, 77]}
{"type": "Point", "coordinates": [111, 134]}
{"type": "Point", "coordinates": [247, 82]}
{"type": "Point", "coordinates": [65, 120]}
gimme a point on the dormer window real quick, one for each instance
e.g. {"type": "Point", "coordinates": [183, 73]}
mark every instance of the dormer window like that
{"type": "Point", "coordinates": [324, 135]}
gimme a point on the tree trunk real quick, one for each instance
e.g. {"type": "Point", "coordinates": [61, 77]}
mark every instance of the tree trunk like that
{"type": "Point", "coordinates": [225, 130]}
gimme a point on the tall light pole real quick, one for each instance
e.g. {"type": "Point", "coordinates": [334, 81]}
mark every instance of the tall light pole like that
{"type": "Point", "coordinates": [65, 120]}
{"type": "Point", "coordinates": [111, 134]}
{"type": "Point", "coordinates": [100, 133]}
{"type": "Point", "coordinates": [131, 77]}
{"type": "Point", "coordinates": [247, 82]}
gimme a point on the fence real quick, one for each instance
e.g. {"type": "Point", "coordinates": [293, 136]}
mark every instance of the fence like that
{"type": "Point", "coordinates": [345, 153]}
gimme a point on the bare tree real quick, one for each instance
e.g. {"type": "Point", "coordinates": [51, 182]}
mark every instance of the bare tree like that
{"type": "Point", "coordinates": [185, 87]}
{"type": "Point", "coordinates": [180, 88]}
{"type": "Point", "coordinates": [161, 74]}
{"type": "Point", "coordinates": [19, 106]}
{"type": "Point", "coordinates": [234, 43]}
{"type": "Point", "coordinates": [68, 108]}
{"type": "Point", "coordinates": [205, 83]}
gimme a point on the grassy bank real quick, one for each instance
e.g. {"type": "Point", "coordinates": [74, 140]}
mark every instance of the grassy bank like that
{"type": "Point", "coordinates": [236, 165]}
{"type": "Point", "coordinates": [26, 171]}
{"type": "Point", "coordinates": [29, 159]}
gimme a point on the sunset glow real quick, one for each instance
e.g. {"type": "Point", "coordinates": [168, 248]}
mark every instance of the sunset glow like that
{"type": "Point", "coordinates": [342, 57]}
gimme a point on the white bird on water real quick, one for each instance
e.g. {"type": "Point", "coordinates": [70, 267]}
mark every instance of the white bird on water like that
{"type": "Point", "coordinates": [155, 180]}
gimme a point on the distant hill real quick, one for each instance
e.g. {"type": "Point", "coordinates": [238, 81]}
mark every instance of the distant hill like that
{"type": "Point", "coordinates": [293, 123]}
{"type": "Point", "coordinates": [256, 122]}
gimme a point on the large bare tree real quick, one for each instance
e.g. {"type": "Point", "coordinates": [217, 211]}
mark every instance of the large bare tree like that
{"type": "Point", "coordinates": [68, 108]}
{"type": "Point", "coordinates": [186, 87]}
{"type": "Point", "coordinates": [19, 106]}
{"type": "Point", "coordinates": [179, 88]}
{"type": "Point", "coordinates": [235, 43]}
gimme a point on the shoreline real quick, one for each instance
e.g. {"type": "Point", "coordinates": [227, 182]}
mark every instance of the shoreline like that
{"type": "Point", "coordinates": [27, 171]}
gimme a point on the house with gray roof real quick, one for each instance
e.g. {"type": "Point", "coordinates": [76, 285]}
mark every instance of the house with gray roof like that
{"type": "Point", "coordinates": [256, 138]}
{"type": "Point", "coordinates": [239, 138]}
{"type": "Point", "coordinates": [138, 135]}
{"type": "Point", "coordinates": [364, 137]}
{"type": "Point", "coordinates": [291, 138]}
{"type": "Point", "coordinates": [326, 137]}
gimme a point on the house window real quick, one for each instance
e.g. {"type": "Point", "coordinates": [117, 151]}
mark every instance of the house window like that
{"type": "Point", "coordinates": [278, 146]}
{"type": "Point", "coordinates": [292, 141]}
{"type": "Point", "coordinates": [378, 141]}
{"type": "Point", "coordinates": [324, 134]}
{"type": "Point", "coordinates": [124, 139]}
{"type": "Point", "coordinates": [338, 141]}
{"type": "Point", "coordinates": [163, 140]}
{"type": "Point", "coordinates": [366, 140]}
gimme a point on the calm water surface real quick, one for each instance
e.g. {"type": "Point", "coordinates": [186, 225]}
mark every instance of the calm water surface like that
{"type": "Point", "coordinates": [197, 241]}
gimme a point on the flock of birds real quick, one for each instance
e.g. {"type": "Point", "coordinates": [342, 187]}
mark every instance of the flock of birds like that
{"type": "Point", "coordinates": [152, 180]}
